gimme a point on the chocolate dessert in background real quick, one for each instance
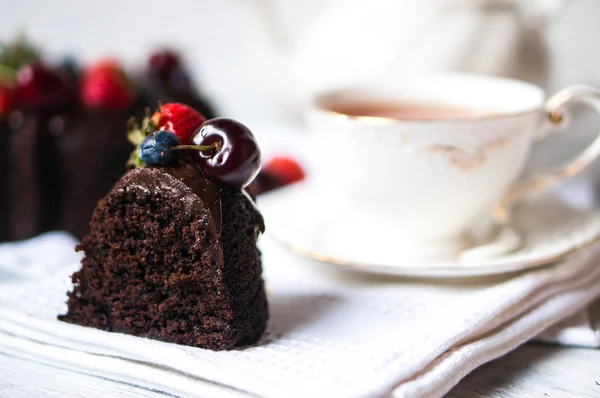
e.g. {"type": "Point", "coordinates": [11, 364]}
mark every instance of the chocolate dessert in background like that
{"type": "Point", "coordinates": [166, 79]}
{"type": "Point", "coordinates": [4, 196]}
{"type": "Point", "coordinates": [89, 140]}
{"type": "Point", "coordinates": [62, 133]}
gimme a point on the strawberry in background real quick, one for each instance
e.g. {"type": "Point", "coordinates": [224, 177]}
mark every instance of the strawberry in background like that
{"type": "Point", "coordinates": [105, 85]}
{"type": "Point", "coordinates": [280, 171]}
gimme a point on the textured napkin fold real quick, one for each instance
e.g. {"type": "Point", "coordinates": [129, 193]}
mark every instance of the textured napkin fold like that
{"type": "Point", "coordinates": [580, 330]}
{"type": "Point", "coordinates": [330, 334]}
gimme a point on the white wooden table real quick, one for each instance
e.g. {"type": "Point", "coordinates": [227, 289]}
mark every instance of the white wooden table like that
{"type": "Point", "coordinates": [531, 371]}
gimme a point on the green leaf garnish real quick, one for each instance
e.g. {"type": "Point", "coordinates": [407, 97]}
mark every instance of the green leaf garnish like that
{"type": "Point", "coordinates": [15, 55]}
{"type": "Point", "coordinates": [137, 134]}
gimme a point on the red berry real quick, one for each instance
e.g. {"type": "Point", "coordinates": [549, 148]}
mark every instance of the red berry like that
{"type": "Point", "coordinates": [179, 119]}
{"type": "Point", "coordinates": [109, 65]}
{"type": "Point", "coordinates": [7, 100]}
{"type": "Point", "coordinates": [285, 169]}
{"type": "Point", "coordinates": [39, 86]}
{"type": "Point", "coordinates": [105, 85]}
{"type": "Point", "coordinates": [162, 62]}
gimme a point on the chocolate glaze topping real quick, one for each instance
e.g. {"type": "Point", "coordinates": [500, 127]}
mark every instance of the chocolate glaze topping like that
{"type": "Point", "coordinates": [161, 178]}
{"type": "Point", "coordinates": [191, 176]}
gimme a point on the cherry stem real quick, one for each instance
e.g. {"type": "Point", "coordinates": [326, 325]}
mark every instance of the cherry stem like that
{"type": "Point", "coordinates": [211, 147]}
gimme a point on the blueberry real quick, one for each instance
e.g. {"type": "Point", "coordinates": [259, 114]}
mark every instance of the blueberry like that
{"type": "Point", "coordinates": [155, 148]}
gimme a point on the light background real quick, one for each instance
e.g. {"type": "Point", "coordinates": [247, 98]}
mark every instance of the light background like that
{"type": "Point", "coordinates": [228, 65]}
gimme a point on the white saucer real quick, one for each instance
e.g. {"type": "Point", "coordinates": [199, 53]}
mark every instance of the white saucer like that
{"type": "Point", "coordinates": [300, 218]}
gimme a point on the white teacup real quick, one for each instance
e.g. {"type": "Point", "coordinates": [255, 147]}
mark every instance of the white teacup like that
{"type": "Point", "coordinates": [425, 183]}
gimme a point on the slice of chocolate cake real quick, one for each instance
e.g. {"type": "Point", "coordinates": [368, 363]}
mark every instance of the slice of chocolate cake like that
{"type": "Point", "coordinates": [172, 255]}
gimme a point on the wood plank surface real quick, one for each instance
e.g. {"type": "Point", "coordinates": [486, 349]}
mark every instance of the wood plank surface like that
{"type": "Point", "coordinates": [533, 370]}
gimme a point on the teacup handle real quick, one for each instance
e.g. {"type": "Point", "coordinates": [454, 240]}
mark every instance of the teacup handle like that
{"type": "Point", "coordinates": [553, 108]}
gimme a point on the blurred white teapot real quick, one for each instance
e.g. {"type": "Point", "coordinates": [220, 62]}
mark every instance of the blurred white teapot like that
{"type": "Point", "coordinates": [351, 41]}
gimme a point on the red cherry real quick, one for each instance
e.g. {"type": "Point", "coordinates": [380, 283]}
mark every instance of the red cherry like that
{"type": "Point", "coordinates": [7, 100]}
{"type": "Point", "coordinates": [162, 62]}
{"type": "Point", "coordinates": [236, 160]}
{"type": "Point", "coordinates": [39, 86]}
{"type": "Point", "coordinates": [179, 119]}
{"type": "Point", "coordinates": [285, 169]}
{"type": "Point", "coordinates": [105, 85]}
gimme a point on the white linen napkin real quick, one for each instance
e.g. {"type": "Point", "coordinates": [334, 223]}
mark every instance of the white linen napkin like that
{"type": "Point", "coordinates": [330, 334]}
{"type": "Point", "coordinates": [580, 330]}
